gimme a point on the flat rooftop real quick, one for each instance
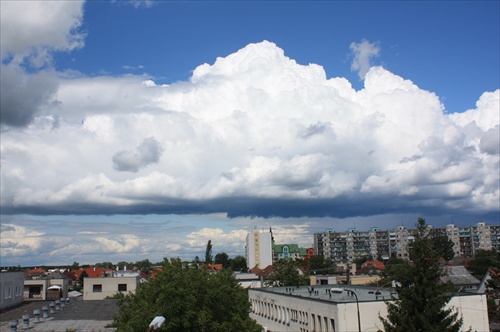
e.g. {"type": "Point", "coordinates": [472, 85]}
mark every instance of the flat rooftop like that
{"type": "Point", "coordinates": [337, 293]}
{"type": "Point", "coordinates": [334, 293]}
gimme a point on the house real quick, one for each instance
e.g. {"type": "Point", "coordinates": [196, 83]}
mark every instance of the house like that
{"type": "Point", "coordinates": [290, 251]}
{"type": "Point", "coordinates": [371, 267]}
{"type": "Point", "coordinates": [100, 288]}
{"type": "Point", "coordinates": [327, 308]}
{"type": "Point", "coordinates": [461, 278]}
{"type": "Point", "coordinates": [214, 267]}
{"type": "Point", "coordinates": [35, 273]}
{"type": "Point", "coordinates": [11, 287]}
{"type": "Point", "coordinates": [52, 286]}
{"type": "Point", "coordinates": [249, 280]}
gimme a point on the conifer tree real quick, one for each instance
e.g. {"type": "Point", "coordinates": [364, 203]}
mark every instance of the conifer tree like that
{"type": "Point", "coordinates": [422, 297]}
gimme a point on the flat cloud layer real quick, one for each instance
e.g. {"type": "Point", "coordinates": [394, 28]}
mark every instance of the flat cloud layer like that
{"type": "Point", "coordinates": [256, 134]}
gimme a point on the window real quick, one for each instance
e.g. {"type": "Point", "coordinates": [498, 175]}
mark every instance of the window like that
{"type": "Point", "coordinates": [122, 287]}
{"type": "Point", "coordinates": [97, 288]}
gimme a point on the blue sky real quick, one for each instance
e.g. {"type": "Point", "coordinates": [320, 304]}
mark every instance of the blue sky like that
{"type": "Point", "coordinates": [138, 129]}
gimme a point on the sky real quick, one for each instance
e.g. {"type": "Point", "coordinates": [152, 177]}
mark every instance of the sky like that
{"type": "Point", "coordinates": [143, 129]}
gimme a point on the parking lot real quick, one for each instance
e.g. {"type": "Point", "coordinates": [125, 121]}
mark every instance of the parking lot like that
{"type": "Point", "coordinates": [78, 315]}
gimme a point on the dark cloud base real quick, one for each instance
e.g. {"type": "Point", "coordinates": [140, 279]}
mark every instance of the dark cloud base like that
{"type": "Point", "coordinates": [272, 208]}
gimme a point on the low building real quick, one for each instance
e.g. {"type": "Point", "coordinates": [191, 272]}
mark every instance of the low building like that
{"type": "Point", "coordinates": [291, 251]}
{"type": "Point", "coordinates": [100, 288]}
{"type": "Point", "coordinates": [249, 280]}
{"type": "Point", "coordinates": [11, 286]}
{"type": "Point", "coordinates": [52, 286]}
{"type": "Point", "coordinates": [323, 308]}
{"type": "Point", "coordinates": [460, 277]}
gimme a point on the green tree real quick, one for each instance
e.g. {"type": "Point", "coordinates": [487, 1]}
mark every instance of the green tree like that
{"type": "Point", "coordinates": [222, 258]}
{"type": "Point", "coordinates": [318, 264]}
{"type": "Point", "coordinates": [106, 265]}
{"type": "Point", "coordinates": [238, 263]}
{"type": "Point", "coordinates": [74, 266]}
{"type": "Point", "coordinates": [145, 265]}
{"type": "Point", "coordinates": [421, 297]}
{"type": "Point", "coordinates": [483, 260]}
{"type": "Point", "coordinates": [190, 300]}
{"type": "Point", "coordinates": [285, 272]}
{"type": "Point", "coordinates": [208, 253]}
{"type": "Point", "coordinates": [443, 246]}
{"type": "Point", "coordinates": [122, 265]}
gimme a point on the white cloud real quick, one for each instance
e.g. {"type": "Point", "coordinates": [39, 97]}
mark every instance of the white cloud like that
{"type": "Point", "coordinates": [20, 241]}
{"type": "Point", "coordinates": [35, 28]}
{"type": "Point", "coordinates": [30, 31]}
{"type": "Point", "coordinates": [363, 52]}
{"type": "Point", "coordinates": [254, 133]}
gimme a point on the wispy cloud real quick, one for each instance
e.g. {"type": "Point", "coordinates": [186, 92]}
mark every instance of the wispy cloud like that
{"type": "Point", "coordinates": [363, 53]}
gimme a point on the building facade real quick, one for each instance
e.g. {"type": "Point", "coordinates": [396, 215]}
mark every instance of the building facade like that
{"type": "Point", "coordinates": [259, 249]}
{"type": "Point", "coordinates": [100, 288]}
{"type": "Point", "coordinates": [11, 286]}
{"type": "Point", "coordinates": [344, 247]}
{"type": "Point", "coordinates": [323, 308]}
{"type": "Point", "coordinates": [290, 251]}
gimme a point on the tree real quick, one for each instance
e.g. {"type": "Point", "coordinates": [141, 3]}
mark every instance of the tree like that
{"type": "Point", "coordinates": [285, 272]}
{"type": "Point", "coordinates": [483, 260]}
{"type": "Point", "coordinates": [145, 265]}
{"type": "Point", "coordinates": [208, 253]}
{"type": "Point", "coordinates": [443, 246]}
{"type": "Point", "coordinates": [121, 265]}
{"type": "Point", "coordinates": [318, 264]}
{"type": "Point", "coordinates": [421, 296]}
{"type": "Point", "coordinates": [222, 258]}
{"type": "Point", "coordinates": [190, 300]}
{"type": "Point", "coordinates": [106, 265]}
{"type": "Point", "coordinates": [238, 263]}
{"type": "Point", "coordinates": [74, 266]}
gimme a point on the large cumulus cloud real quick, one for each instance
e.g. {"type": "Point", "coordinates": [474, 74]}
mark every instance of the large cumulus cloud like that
{"type": "Point", "coordinates": [30, 31]}
{"type": "Point", "coordinates": [254, 133]}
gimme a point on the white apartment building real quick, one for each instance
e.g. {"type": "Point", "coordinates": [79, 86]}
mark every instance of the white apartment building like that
{"type": "Point", "coordinates": [259, 249]}
{"type": "Point", "coordinates": [308, 309]}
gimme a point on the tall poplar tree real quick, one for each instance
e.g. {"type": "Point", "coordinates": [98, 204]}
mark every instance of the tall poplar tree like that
{"type": "Point", "coordinates": [208, 253]}
{"type": "Point", "coordinates": [422, 298]}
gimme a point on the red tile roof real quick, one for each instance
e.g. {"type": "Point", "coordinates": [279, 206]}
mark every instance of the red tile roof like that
{"type": "Point", "coordinates": [92, 272]}
{"type": "Point", "coordinates": [35, 271]}
{"type": "Point", "coordinates": [376, 264]}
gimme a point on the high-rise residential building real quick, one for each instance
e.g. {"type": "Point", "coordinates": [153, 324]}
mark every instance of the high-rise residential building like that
{"type": "Point", "coordinates": [344, 247]}
{"type": "Point", "coordinates": [495, 237]}
{"type": "Point", "coordinates": [259, 249]}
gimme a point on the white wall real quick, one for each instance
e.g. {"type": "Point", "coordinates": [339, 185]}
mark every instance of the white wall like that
{"type": "Point", "coordinates": [109, 287]}
{"type": "Point", "coordinates": [11, 289]}
{"type": "Point", "coordinates": [284, 312]}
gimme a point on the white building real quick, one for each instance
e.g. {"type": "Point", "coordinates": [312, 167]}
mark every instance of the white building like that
{"type": "Point", "coordinates": [100, 288]}
{"type": "Point", "coordinates": [317, 308]}
{"type": "Point", "coordinates": [259, 249]}
{"type": "Point", "coordinates": [11, 289]}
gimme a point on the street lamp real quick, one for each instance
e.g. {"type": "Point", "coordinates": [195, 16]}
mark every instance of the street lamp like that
{"type": "Point", "coordinates": [340, 290]}
{"type": "Point", "coordinates": [156, 323]}
{"type": "Point", "coordinates": [357, 305]}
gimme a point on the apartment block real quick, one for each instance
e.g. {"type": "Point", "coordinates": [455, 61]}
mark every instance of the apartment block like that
{"type": "Point", "coordinates": [345, 247]}
{"type": "Point", "coordinates": [259, 249]}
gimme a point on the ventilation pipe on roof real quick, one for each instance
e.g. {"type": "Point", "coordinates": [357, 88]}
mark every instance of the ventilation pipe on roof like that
{"type": "Point", "coordinates": [13, 325]}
